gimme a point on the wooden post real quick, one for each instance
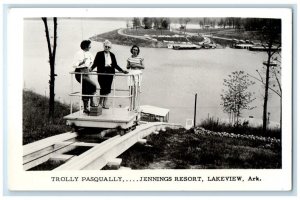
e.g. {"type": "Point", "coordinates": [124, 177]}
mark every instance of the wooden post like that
{"type": "Point", "coordinates": [195, 110]}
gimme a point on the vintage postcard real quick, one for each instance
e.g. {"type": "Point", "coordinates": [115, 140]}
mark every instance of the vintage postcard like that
{"type": "Point", "coordinates": [149, 99]}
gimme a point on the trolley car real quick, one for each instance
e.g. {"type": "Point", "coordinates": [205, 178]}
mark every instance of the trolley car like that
{"type": "Point", "coordinates": [125, 88]}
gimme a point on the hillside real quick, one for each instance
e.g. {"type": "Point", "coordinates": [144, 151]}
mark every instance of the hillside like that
{"type": "Point", "coordinates": [36, 125]}
{"type": "Point", "coordinates": [174, 149]}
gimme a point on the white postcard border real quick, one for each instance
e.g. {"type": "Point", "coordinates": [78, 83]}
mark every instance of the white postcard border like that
{"type": "Point", "coordinates": [272, 180]}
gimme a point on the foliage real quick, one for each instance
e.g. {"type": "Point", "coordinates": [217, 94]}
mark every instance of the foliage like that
{"type": "Point", "coordinates": [244, 128]}
{"type": "Point", "coordinates": [136, 22]}
{"type": "Point", "coordinates": [237, 97]}
{"type": "Point", "coordinates": [165, 23]}
{"type": "Point", "coordinates": [159, 23]}
{"type": "Point", "coordinates": [147, 22]}
{"type": "Point", "coordinates": [116, 38]}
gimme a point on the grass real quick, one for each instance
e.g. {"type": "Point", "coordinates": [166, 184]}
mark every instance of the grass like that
{"type": "Point", "coordinates": [228, 33]}
{"type": "Point", "coordinates": [181, 149]}
{"type": "Point", "coordinates": [116, 38]}
{"type": "Point", "coordinates": [142, 32]}
{"type": "Point", "coordinates": [36, 124]}
{"type": "Point", "coordinates": [220, 32]}
{"type": "Point", "coordinates": [173, 149]}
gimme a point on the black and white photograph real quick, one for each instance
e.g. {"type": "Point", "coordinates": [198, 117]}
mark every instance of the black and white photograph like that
{"type": "Point", "coordinates": [152, 99]}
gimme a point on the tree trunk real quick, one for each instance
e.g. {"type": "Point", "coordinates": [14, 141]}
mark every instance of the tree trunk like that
{"type": "Point", "coordinates": [266, 91]}
{"type": "Point", "coordinates": [52, 64]}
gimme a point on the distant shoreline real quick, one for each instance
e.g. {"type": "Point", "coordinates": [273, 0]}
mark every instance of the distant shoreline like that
{"type": "Point", "coordinates": [153, 38]}
{"type": "Point", "coordinates": [119, 39]}
{"type": "Point", "coordinates": [147, 38]}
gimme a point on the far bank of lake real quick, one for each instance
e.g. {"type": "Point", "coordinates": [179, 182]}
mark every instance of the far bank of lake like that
{"type": "Point", "coordinates": [171, 77]}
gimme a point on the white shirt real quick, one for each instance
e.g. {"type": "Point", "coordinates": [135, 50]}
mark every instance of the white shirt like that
{"type": "Point", "coordinates": [81, 56]}
{"type": "Point", "coordinates": [107, 59]}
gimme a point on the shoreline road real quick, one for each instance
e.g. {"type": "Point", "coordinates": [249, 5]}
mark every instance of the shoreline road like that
{"type": "Point", "coordinates": [206, 38]}
{"type": "Point", "coordinates": [121, 32]}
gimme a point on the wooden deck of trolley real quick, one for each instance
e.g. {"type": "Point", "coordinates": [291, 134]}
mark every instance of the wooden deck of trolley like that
{"type": "Point", "coordinates": [110, 118]}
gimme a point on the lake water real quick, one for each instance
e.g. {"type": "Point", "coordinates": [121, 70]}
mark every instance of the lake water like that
{"type": "Point", "coordinates": [171, 77]}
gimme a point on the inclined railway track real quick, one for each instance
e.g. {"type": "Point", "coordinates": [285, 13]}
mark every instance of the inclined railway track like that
{"type": "Point", "coordinates": [54, 149]}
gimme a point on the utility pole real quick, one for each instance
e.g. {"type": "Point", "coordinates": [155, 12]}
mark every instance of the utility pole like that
{"type": "Point", "coordinates": [195, 110]}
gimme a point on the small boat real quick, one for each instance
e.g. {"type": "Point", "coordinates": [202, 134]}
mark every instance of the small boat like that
{"type": "Point", "coordinates": [243, 46]}
{"type": "Point", "coordinates": [209, 46]}
{"type": "Point", "coordinates": [185, 46]}
{"type": "Point", "coordinates": [264, 48]}
{"type": "Point", "coordinates": [170, 46]}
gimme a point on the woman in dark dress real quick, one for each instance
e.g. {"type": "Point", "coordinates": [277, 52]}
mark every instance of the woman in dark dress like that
{"type": "Point", "coordinates": [106, 63]}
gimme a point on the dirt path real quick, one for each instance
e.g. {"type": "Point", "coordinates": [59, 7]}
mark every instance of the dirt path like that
{"type": "Point", "coordinates": [121, 32]}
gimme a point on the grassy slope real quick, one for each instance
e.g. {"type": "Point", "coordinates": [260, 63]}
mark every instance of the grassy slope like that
{"type": "Point", "coordinates": [35, 118]}
{"type": "Point", "coordinates": [129, 41]}
{"type": "Point", "coordinates": [228, 33]}
{"type": "Point", "coordinates": [142, 32]}
{"type": "Point", "coordinates": [180, 149]}
{"type": "Point", "coordinates": [115, 38]}
{"type": "Point", "coordinates": [174, 149]}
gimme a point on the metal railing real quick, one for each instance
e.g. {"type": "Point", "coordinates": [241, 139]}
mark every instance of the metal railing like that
{"type": "Point", "coordinates": [133, 79]}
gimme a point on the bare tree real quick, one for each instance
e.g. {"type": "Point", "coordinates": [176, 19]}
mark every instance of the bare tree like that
{"type": "Point", "coordinates": [275, 79]}
{"type": "Point", "coordinates": [52, 52]}
{"type": "Point", "coordinates": [271, 33]}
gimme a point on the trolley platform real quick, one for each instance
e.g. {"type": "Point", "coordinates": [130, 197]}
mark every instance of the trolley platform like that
{"type": "Point", "coordinates": [127, 87]}
{"type": "Point", "coordinates": [110, 118]}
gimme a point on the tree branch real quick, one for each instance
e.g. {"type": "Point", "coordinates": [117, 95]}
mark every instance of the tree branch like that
{"type": "Point", "coordinates": [265, 84]}
{"type": "Point", "coordinates": [261, 78]}
{"type": "Point", "coordinates": [55, 38]}
{"type": "Point", "coordinates": [47, 37]}
{"type": "Point", "coordinates": [278, 82]}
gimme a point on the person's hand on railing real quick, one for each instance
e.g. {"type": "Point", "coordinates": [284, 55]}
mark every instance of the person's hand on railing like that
{"type": "Point", "coordinates": [125, 71]}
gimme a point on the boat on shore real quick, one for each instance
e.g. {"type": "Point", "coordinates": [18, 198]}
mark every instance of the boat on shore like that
{"type": "Point", "coordinates": [185, 46]}
{"type": "Point", "coordinates": [243, 46]}
{"type": "Point", "coordinates": [262, 48]}
{"type": "Point", "coordinates": [209, 45]}
{"type": "Point", "coordinates": [193, 46]}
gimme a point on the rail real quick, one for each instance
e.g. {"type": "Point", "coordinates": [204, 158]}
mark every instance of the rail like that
{"type": "Point", "coordinates": [102, 154]}
{"type": "Point", "coordinates": [98, 155]}
{"type": "Point", "coordinates": [134, 89]}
